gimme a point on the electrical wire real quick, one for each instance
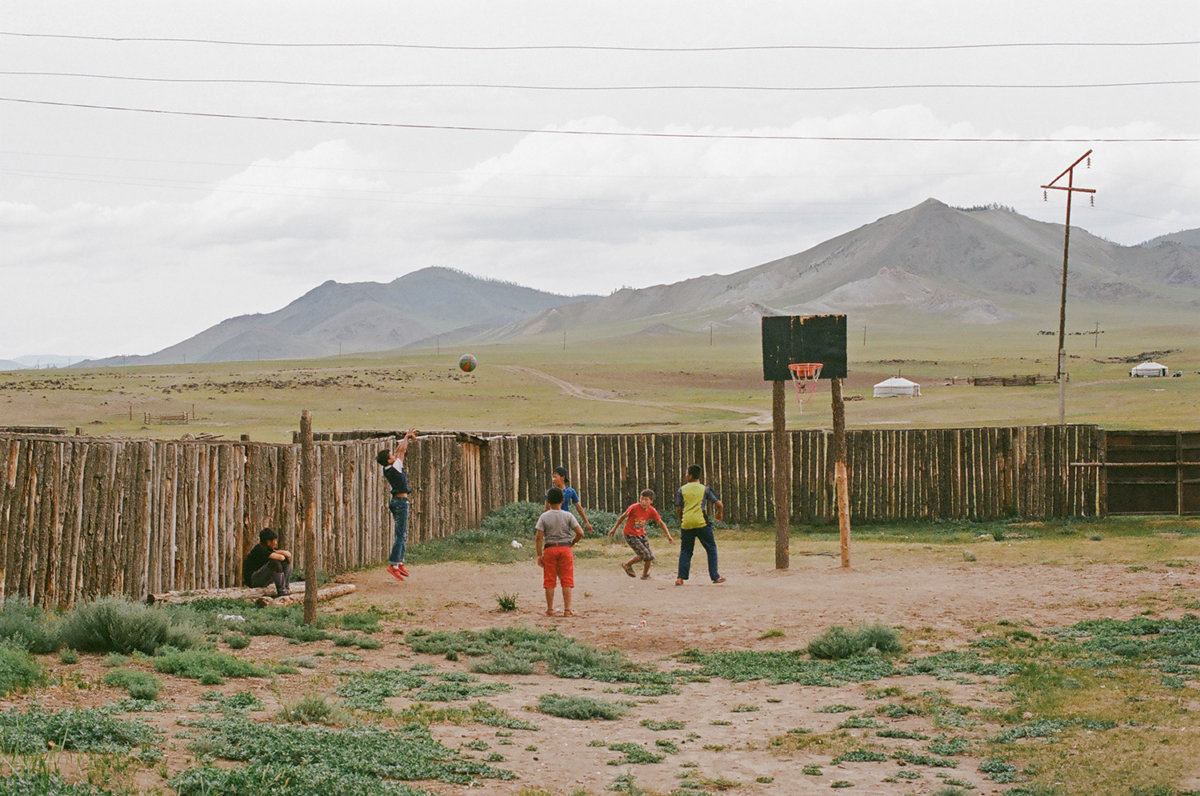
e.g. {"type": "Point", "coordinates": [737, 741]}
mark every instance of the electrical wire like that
{"type": "Point", "coordinates": [665, 87]}
{"type": "Point", "coordinates": [609, 133]}
{"type": "Point", "coordinates": [608, 48]}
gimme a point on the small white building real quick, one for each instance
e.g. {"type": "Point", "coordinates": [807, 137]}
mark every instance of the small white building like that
{"type": "Point", "coordinates": [1148, 370]}
{"type": "Point", "coordinates": [897, 386]}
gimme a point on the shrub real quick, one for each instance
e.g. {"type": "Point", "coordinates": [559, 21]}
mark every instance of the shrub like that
{"type": "Point", "coordinates": [140, 685]}
{"type": "Point", "coordinates": [114, 625]}
{"type": "Point", "coordinates": [42, 781]}
{"type": "Point", "coordinates": [838, 643]}
{"type": "Point", "coordinates": [68, 656]}
{"type": "Point", "coordinates": [312, 709]}
{"type": "Point", "coordinates": [506, 602]}
{"type": "Point", "coordinates": [18, 669]}
{"type": "Point", "coordinates": [580, 708]}
{"type": "Point", "coordinates": [28, 626]}
{"type": "Point", "coordinates": [236, 641]}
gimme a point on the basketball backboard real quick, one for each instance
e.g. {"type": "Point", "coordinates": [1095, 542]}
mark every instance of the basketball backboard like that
{"type": "Point", "coordinates": [787, 339]}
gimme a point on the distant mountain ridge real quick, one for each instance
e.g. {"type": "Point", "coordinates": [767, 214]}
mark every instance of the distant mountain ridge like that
{"type": "Point", "coordinates": [336, 318]}
{"type": "Point", "coordinates": [980, 265]}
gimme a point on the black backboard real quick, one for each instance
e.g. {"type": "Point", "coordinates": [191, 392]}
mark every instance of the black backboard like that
{"type": "Point", "coordinates": [803, 338]}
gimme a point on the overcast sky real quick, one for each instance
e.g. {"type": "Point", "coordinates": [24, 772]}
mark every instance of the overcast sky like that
{"type": "Point", "coordinates": [123, 231]}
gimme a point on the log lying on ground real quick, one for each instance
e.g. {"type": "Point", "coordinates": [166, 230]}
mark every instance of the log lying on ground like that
{"type": "Point", "coordinates": [188, 595]}
{"type": "Point", "coordinates": [297, 595]}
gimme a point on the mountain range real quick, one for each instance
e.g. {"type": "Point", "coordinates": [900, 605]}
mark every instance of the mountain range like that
{"type": "Point", "coordinates": [977, 265]}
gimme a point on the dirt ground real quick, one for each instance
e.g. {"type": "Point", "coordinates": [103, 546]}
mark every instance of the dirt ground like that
{"type": "Point", "coordinates": [939, 598]}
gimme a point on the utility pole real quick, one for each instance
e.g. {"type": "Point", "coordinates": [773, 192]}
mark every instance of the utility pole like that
{"type": "Point", "coordinates": [1070, 188]}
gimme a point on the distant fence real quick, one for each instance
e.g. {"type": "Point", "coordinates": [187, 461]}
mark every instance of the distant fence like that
{"type": "Point", "coordinates": [83, 516]}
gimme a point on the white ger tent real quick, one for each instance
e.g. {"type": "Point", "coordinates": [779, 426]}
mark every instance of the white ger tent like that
{"type": "Point", "coordinates": [1148, 369]}
{"type": "Point", "coordinates": [897, 385]}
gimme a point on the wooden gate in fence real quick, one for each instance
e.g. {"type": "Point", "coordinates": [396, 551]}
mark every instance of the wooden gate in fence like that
{"type": "Point", "coordinates": [1153, 472]}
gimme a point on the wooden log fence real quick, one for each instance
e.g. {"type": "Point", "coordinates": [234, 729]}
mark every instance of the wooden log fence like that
{"type": "Point", "coordinates": [82, 517]}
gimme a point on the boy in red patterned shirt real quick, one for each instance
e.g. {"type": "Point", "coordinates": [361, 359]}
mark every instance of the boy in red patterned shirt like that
{"type": "Point", "coordinates": [637, 517]}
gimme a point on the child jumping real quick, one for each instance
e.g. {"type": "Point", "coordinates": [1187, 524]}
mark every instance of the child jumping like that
{"type": "Point", "coordinates": [558, 480]}
{"type": "Point", "coordinates": [640, 515]}
{"type": "Point", "coordinates": [557, 533]}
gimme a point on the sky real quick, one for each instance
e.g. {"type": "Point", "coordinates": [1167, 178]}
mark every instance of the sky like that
{"type": "Point", "coordinates": [164, 167]}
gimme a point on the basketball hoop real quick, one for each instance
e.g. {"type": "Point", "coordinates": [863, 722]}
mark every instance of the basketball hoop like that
{"type": "Point", "coordinates": [804, 376]}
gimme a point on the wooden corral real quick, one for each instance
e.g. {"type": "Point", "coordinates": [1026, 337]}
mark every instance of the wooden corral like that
{"type": "Point", "coordinates": [82, 516]}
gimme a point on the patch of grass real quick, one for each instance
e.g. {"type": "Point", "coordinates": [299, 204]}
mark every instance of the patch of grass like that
{"type": "Point", "coordinates": [72, 729]}
{"type": "Point", "coordinates": [773, 633]}
{"type": "Point", "coordinates": [506, 602]}
{"type": "Point", "coordinates": [19, 670]}
{"type": "Point", "coordinates": [837, 643]}
{"type": "Point", "coordinates": [208, 666]}
{"type": "Point", "coordinates": [110, 624]}
{"type": "Point", "coordinates": [659, 726]}
{"type": "Point", "coordinates": [949, 747]}
{"type": "Point", "coordinates": [859, 723]}
{"type": "Point", "coordinates": [360, 760]}
{"type": "Point", "coordinates": [650, 690]}
{"type": "Point", "coordinates": [68, 656]}
{"type": "Point", "coordinates": [580, 708]}
{"type": "Point", "coordinates": [364, 622]}
{"type": "Point", "coordinates": [38, 779]}
{"type": "Point", "coordinates": [633, 754]}
{"type": "Point", "coordinates": [237, 702]}
{"type": "Point", "coordinates": [836, 709]}
{"type": "Point", "coordinates": [139, 684]}
{"type": "Point", "coordinates": [518, 648]}
{"type": "Point", "coordinates": [909, 734]}
{"type": "Point", "coordinates": [788, 667]}
{"type": "Point", "coordinates": [859, 756]}
{"type": "Point", "coordinates": [368, 690]}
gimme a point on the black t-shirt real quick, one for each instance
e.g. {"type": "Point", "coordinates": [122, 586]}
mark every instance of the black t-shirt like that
{"type": "Point", "coordinates": [397, 478]}
{"type": "Point", "coordinates": [254, 561]}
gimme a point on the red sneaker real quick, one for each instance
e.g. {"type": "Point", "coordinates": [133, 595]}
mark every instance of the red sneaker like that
{"type": "Point", "coordinates": [395, 572]}
{"type": "Point", "coordinates": [403, 570]}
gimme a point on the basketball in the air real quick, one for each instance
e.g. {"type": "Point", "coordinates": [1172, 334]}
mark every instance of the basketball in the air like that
{"type": "Point", "coordinates": [467, 363]}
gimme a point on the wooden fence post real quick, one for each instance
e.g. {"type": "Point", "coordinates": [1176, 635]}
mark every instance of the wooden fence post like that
{"type": "Point", "coordinates": [783, 473]}
{"type": "Point", "coordinates": [308, 477]}
{"type": "Point", "coordinates": [839, 458]}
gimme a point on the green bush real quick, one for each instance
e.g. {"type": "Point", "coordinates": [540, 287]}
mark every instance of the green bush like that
{"type": "Point", "coordinates": [28, 626]}
{"type": "Point", "coordinates": [312, 709]}
{"type": "Point", "coordinates": [139, 684]}
{"type": "Point", "coordinates": [580, 708]}
{"type": "Point", "coordinates": [19, 671]}
{"type": "Point", "coordinates": [115, 625]}
{"type": "Point", "coordinates": [838, 643]}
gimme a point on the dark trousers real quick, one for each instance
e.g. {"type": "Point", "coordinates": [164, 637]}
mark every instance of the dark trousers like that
{"type": "Point", "coordinates": [276, 571]}
{"type": "Point", "coordinates": [687, 544]}
{"type": "Point", "coordinates": [399, 509]}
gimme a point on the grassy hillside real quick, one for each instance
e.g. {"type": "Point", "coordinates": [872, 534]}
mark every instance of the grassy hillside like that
{"type": "Point", "coordinates": [669, 381]}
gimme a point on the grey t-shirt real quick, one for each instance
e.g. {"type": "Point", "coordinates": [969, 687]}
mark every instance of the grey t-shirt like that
{"type": "Point", "coordinates": [557, 525]}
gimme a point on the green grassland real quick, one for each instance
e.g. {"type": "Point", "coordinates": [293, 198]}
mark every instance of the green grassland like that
{"type": "Point", "coordinates": [684, 381]}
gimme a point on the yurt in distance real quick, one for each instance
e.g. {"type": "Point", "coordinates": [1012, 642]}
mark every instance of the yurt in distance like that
{"type": "Point", "coordinates": [1148, 370]}
{"type": "Point", "coordinates": [897, 386]}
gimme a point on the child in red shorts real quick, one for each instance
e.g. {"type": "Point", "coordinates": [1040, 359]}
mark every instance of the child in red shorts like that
{"type": "Point", "coordinates": [557, 533]}
{"type": "Point", "coordinates": [640, 515]}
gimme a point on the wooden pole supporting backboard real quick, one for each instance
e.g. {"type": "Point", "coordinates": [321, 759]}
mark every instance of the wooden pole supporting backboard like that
{"type": "Point", "coordinates": [839, 468]}
{"type": "Point", "coordinates": [783, 472]}
{"type": "Point", "coordinates": [308, 500]}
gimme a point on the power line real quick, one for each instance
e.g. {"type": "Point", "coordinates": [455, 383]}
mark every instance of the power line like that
{"type": "Point", "coordinates": [608, 133]}
{"type": "Point", "coordinates": [663, 87]}
{"type": "Point", "coordinates": [609, 48]}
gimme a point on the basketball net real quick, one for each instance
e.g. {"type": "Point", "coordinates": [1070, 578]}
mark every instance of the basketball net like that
{"type": "Point", "coordinates": [804, 376]}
